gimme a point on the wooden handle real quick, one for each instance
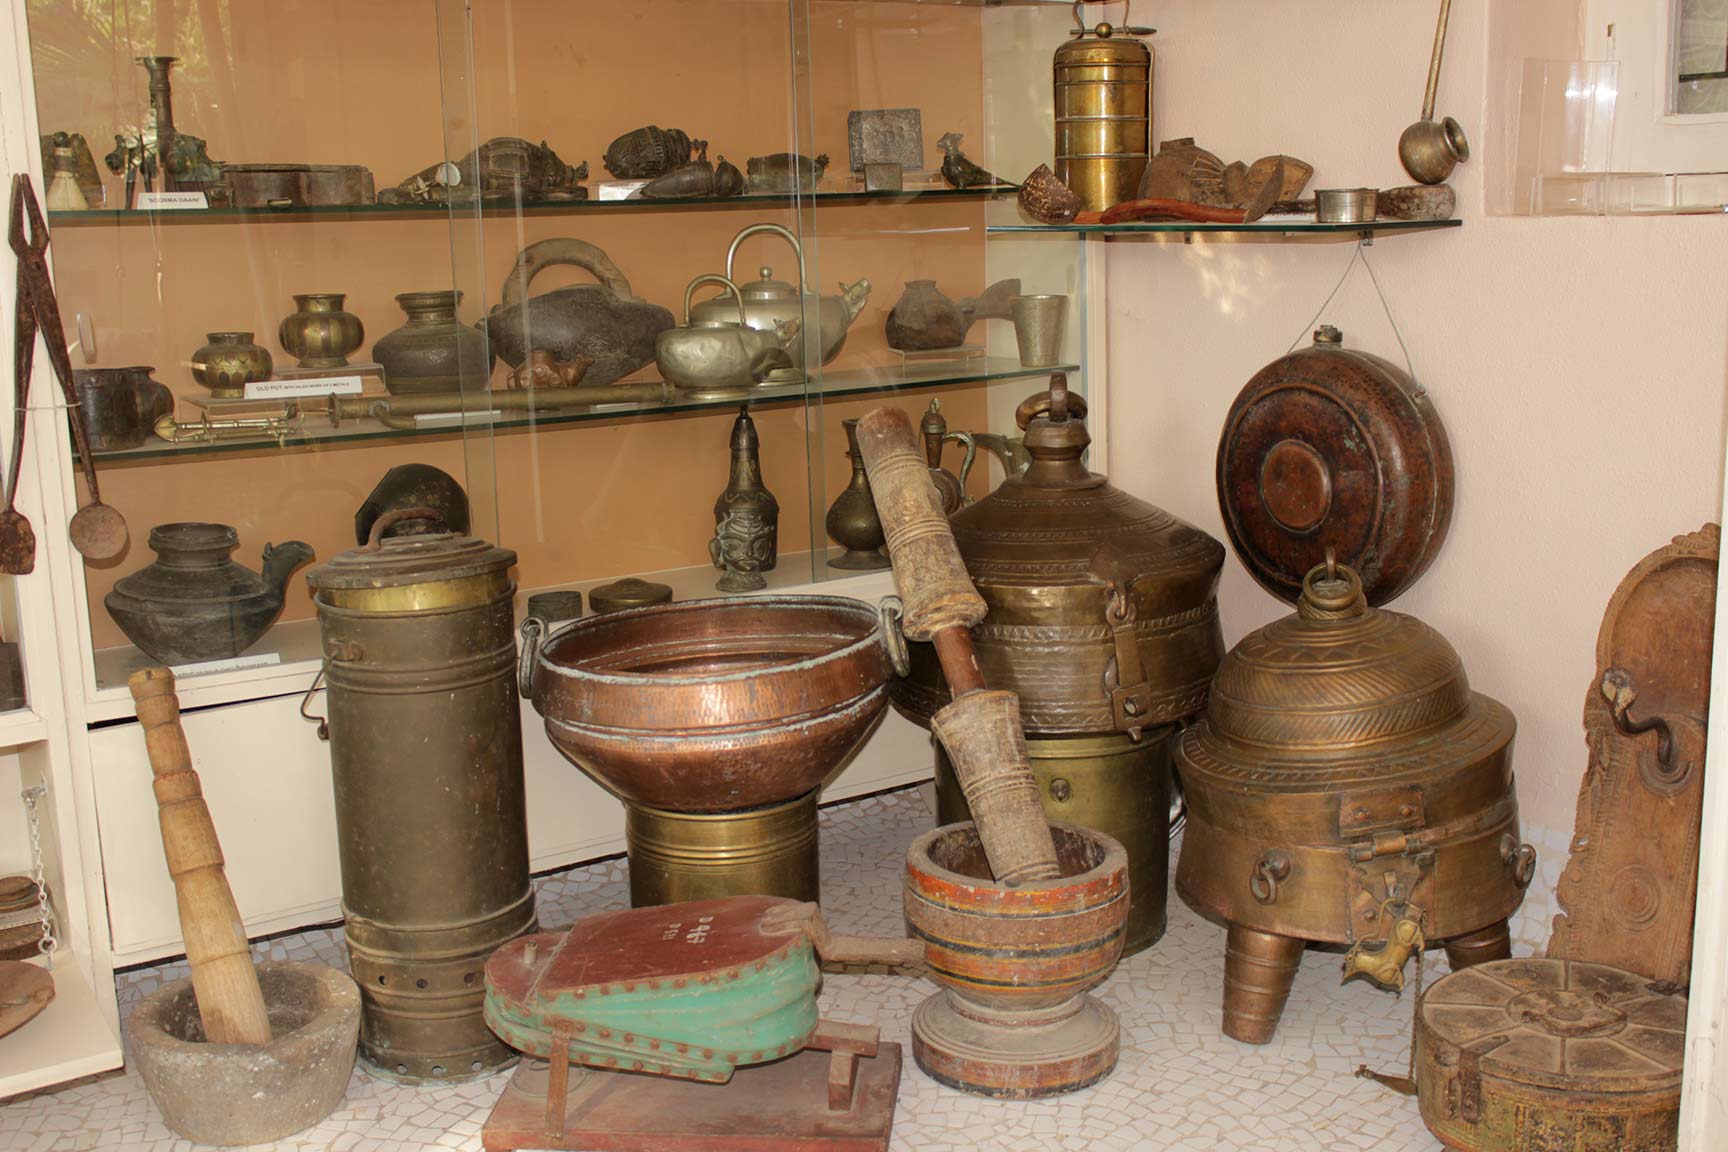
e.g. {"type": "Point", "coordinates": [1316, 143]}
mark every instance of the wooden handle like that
{"type": "Point", "coordinates": [987, 746]}
{"type": "Point", "coordinates": [928, 571]}
{"type": "Point", "coordinates": [230, 1002]}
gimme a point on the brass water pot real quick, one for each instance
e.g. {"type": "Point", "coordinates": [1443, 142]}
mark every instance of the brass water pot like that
{"type": "Point", "coordinates": [431, 815]}
{"type": "Point", "coordinates": [1346, 787]}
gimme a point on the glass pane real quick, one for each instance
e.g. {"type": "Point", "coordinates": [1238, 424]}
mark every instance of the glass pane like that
{"type": "Point", "coordinates": [1701, 52]}
{"type": "Point", "coordinates": [226, 217]}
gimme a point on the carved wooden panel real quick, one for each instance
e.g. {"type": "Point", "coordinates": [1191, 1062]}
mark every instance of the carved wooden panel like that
{"type": "Point", "coordinates": [1630, 886]}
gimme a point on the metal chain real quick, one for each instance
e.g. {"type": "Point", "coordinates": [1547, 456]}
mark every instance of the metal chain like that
{"type": "Point", "coordinates": [48, 944]}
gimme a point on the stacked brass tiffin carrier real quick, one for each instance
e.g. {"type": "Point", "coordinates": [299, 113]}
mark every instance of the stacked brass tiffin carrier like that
{"type": "Point", "coordinates": [426, 758]}
{"type": "Point", "coordinates": [1103, 618]}
{"type": "Point", "coordinates": [1346, 787]}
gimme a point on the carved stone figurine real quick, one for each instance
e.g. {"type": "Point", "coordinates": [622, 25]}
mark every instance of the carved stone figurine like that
{"type": "Point", "coordinates": [746, 517]}
{"type": "Point", "coordinates": [504, 166]}
{"type": "Point", "coordinates": [957, 169]}
{"type": "Point", "coordinates": [649, 152]}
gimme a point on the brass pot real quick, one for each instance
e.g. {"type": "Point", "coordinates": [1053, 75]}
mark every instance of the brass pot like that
{"type": "Point", "coordinates": [319, 333]}
{"type": "Point", "coordinates": [228, 362]}
{"type": "Point", "coordinates": [1346, 786]}
{"type": "Point", "coordinates": [1103, 609]}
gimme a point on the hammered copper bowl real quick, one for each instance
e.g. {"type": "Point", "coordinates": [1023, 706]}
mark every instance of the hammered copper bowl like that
{"type": "Point", "coordinates": [715, 705]}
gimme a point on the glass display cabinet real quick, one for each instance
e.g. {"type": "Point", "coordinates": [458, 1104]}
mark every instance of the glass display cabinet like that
{"type": "Point", "coordinates": [378, 213]}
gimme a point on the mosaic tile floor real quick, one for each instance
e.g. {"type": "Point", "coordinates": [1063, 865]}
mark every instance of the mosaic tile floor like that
{"type": "Point", "coordinates": [1181, 1086]}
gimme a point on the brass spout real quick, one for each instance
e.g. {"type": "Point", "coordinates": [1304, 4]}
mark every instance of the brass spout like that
{"type": "Point", "coordinates": [1382, 961]}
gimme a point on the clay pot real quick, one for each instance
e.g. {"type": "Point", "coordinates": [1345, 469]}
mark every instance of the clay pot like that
{"type": "Point", "coordinates": [924, 319]}
{"type": "Point", "coordinates": [194, 603]}
{"type": "Point", "coordinates": [433, 352]}
{"type": "Point", "coordinates": [120, 405]}
{"type": "Point", "coordinates": [228, 362]}
{"type": "Point", "coordinates": [319, 334]}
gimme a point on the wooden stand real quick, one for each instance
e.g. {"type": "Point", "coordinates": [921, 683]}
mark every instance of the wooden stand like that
{"type": "Point", "coordinates": [813, 1101]}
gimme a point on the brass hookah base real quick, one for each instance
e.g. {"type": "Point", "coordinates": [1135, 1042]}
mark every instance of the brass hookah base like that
{"type": "Point", "coordinates": [682, 856]}
{"type": "Point", "coordinates": [1109, 784]}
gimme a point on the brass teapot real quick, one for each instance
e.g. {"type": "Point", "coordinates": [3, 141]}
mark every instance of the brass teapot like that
{"type": "Point", "coordinates": [769, 302]}
{"type": "Point", "coordinates": [713, 355]}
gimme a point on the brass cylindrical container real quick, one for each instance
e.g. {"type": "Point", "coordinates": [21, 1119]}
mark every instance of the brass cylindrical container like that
{"type": "Point", "coordinates": [1109, 784]}
{"type": "Point", "coordinates": [1346, 786]}
{"type": "Point", "coordinates": [681, 856]}
{"type": "Point", "coordinates": [426, 759]}
{"type": "Point", "coordinates": [1103, 113]}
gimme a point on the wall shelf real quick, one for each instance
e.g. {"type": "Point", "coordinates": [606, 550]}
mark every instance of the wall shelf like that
{"type": "Point", "coordinates": [504, 209]}
{"type": "Point", "coordinates": [316, 428]}
{"type": "Point", "coordinates": [1286, 228]}
{"type": "Point", "coordinates": [71, 1037]}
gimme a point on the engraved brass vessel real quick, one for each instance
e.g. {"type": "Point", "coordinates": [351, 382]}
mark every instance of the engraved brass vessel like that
{"type": "Point", "coordinates": [1103, 112]}
{"type": "Point", "coordinates": [1103, 616]}
{"type": "Point", "coordinates": [431, 821]}
{"type": "Point", "coordinates": [1346, 787]}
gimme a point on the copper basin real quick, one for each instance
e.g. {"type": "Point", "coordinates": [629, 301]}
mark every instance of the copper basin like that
{"type": "Point", "coordinates": [715, 705]}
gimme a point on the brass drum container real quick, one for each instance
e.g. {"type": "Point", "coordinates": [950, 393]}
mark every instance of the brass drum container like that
{"type": "Point", "coordinates": [1110, 784]}
{"type": "Point", "coordinates": [1103, 617]}
{"type": "Point", "coordinates": [426, 757]}
{"type": "Point", "coordinates": [1103, 113]}
{"type": "Point", "coordinates": [1345, 785]}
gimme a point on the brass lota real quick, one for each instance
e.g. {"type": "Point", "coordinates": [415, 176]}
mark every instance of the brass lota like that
{"type": "Point", "coordinates": [431, 821]}
{"type": "Point", "coordinates": [1346, 787]}
{"type": "Point", "coordinates": [1103, 617]}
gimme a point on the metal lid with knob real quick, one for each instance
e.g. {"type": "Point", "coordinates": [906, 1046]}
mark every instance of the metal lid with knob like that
{"type": "Point", "coordinates": [413, 573]}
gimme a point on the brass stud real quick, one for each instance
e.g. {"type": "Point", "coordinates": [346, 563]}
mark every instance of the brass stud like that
{"type": "Point", "coordinates": [605, 1033]}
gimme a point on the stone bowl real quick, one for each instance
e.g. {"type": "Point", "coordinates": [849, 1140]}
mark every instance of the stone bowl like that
{"type": "Point", "coordinates": [233, 1094]}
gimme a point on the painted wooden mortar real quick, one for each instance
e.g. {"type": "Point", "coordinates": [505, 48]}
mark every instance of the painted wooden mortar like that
{"type": "Point", "coordinates": [1013, 1019]}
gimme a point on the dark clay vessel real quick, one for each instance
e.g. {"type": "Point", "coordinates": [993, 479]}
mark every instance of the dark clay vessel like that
{"type": "Point", "coordinates": [121, 405]}
{"type": "Point", "coordinates": [195, 603]}
{"type": "Point", "coordinates": [605, 322]}
{"type": "Point", "coordinates": [433, 352]}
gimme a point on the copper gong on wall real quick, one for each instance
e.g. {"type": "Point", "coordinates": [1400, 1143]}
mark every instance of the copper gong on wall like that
{"type": "Point", "coordinates": [1333, 450]}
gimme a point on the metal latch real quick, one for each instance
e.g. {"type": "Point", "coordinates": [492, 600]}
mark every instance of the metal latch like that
{"type": "Point", "coordinates": [1131, 698]}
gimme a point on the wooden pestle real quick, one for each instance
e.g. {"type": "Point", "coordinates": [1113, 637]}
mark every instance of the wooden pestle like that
{"type": "Point", "coordinates": [230, 1003]}
{"type": "Point", "coordinates": [981, 729]}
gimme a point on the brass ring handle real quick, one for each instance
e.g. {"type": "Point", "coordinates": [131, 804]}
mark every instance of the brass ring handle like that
{"type": "Point", "coordinates": [375, 538]}
{"type": "Point", "coordinates": [889, 613]}
{"type": "Point", "coordinates": [533, 629]}
{"type": "Point", "coordinates": [543, 254]}
{"type": "Point", "coordinates": [1520, 857]}
{"type": "Point", "coordinates": [779, 230]}
{"type": "Point", "coordinates": [1104, 31]}
{"type": "Point", "coordinates": [306, 702]}
{"type": "Point", "coordinates": [1272, 868]}
{"type": "Point", "coordinates": [1057, 402]}
{"type": "Point", "coordinates": [714, 278]}
{"type": "Point", "coordinates": [971, 445]}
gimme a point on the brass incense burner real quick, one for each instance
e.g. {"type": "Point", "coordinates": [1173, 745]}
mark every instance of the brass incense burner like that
{"type": "Point", "coordinates": [1346, 787]}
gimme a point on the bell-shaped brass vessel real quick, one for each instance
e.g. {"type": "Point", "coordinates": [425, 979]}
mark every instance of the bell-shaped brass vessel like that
{"type": "Point", "coordinates": [1346, 786]}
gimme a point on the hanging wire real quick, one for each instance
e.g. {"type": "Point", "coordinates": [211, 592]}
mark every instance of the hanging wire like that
{"type": "Point", "coordinates": [1360, 255]}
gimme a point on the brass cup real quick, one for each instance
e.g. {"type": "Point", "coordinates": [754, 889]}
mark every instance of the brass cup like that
{"type": "Point", "coordinates": [681, 856]}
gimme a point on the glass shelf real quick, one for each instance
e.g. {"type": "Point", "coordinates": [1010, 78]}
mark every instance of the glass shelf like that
{"type": "Point", "coordinates": [503, 208]}
{"type": "Point", "coordinates": [1290, 227]}
{"type": "Point", "coordinates": [316, 428]}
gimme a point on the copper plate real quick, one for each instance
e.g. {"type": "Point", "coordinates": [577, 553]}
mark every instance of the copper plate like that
{"type": "Point", "coordinates": [1330, 449]}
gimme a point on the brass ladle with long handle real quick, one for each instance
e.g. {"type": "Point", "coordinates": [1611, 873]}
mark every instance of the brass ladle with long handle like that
{"type": "Point", "coordinates": [1430, 151]}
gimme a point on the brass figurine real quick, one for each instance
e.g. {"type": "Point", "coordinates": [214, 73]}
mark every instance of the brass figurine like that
{"type": "Point", "coordinates": [545, 370]}
{"type": "Point", "coordinates": [649, 152]}
{"type": "Point", "coordinates": [960, 172]}
{"type": "Point", "coordinates": [746, 516]}
{"type": "Point", "coordinates": [504, 167]}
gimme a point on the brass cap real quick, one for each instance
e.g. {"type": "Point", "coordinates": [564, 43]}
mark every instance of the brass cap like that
{"type": "Point", "coordinates": [410, 573]}
{"type": "Point", "coordinates": [1337, 675]}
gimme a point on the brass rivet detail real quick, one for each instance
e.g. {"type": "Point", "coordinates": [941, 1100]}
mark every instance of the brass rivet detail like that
{"type": "Point", "coordinates": [654, 1044]}
{"type": "Point", "coordinates": [629, 1037]}
{"type": "Point", "coordinates": [605, 1033]}
{"type": "Point", "coordinates": [1407, 811]}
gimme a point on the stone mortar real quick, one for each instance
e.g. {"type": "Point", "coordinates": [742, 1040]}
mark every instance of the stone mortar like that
{"type": "Point", "coordinates": [229, 1094]}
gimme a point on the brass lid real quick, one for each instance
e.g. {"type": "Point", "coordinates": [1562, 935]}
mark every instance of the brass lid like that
{"type": "Point", "coordinates": [1058, 524]}
{"type": "Point", "coordinates": [1337, 675]}
{"type": "Point", "coordinates": [767, 287]}
{"type": "Point", "coordinates": [472, 567]}
{"type": "Point", "coordinates": [629, 592]}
